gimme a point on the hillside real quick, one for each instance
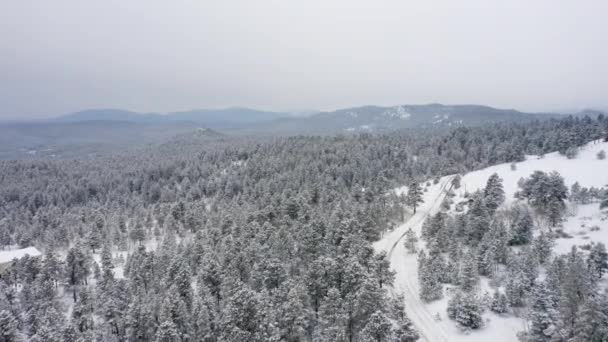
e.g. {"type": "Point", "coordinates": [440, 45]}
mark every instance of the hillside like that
{"type": "Point", "coordinates": [93, 132]}
{"type": "Point", "coordinates": [382, 119]}
{"type": "Point", "coordinates": [583, 223]}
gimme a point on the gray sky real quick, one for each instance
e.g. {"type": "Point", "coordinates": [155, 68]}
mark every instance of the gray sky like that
{"type": "Point", "coordinates": [150, 55]}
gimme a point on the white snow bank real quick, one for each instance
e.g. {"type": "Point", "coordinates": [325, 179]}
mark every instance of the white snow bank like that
{"type": "Point", "coordinates": [8, 256]}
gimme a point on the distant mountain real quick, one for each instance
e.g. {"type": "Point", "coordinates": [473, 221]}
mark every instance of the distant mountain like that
{"type": "Point", "coordinates": [108, 115]}
{"type": "Point", "coordinates": [98, 131]}
{"type": "Point", "coordinates": [213, 118]}
{"type": "Point", "coordinates": [378, 119]}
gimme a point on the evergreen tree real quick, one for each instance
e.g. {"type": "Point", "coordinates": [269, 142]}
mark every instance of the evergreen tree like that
{"type": "Point", "coordinates": [414, 196]}
{"type": "Point", "coordinates": [494, 194]}
{"type": "Point", "coordinates": [592, 322]}
{"type": "Point", "coordinates": [546, 193]}
{"type": "Point", "coordinates": [543, 246]}
{"type": "Point", "coordinates": [499, 303]}
{"type": "Point", "coordinates": [410, 241]}
{"type": "Point", "coordinates": [8, 326]}
{"type": "Point", "coordinates": [598, 260]}
{"type": "Point", "coordinates": [378, 329]}
{"type": "Point", "coordinates": [77, 267]}
{"type": "Point", "coordinates": [430, 286]}
{"type": "Point", "coordinates": [542, 313]}
{"type": "Point", "coordinates": [521, 227]}
{"type": "Point", "coordinates": [469, 273]}
{"type": "Point", "coordinates": [332, 318]}
{"type": "Point", "coordinates": [464, 308]}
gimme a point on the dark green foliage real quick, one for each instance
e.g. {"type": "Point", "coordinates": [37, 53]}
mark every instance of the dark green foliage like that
{"type": "Point", "coordinates": [546, 193]}
{"type": "Point", "coordinates": [465, 309]}
{"type": "Point", "coordinates": [414, 196]}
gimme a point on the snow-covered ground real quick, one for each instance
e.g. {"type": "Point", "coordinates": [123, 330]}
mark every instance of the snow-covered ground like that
{"type": "Point", "coordinates": [585, 169]}
{"type": "Point", "coordinates": [8, 256]}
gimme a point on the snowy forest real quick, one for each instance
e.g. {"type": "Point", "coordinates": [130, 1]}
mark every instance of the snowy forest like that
{"type": "Point", "coordinates": [223, 238]}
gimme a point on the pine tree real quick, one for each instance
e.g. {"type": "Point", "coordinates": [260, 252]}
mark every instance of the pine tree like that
{"type": "Point", "coordinates": [546, 193]}
{"type": "Point", "coordinates": [8, 326]}
{"type": "Point", "coordinates": [106, 264]}
{"type": "Point", "coordinates": [542, 314]}
{"type": "Point", "coordinates": [82, 314]}
{"type": "Point", "coordinates": [138, 233]}
{"type": "Point", "coordinates": [464, 308]}
{"type": "Point", "coordinates": [494, 193]}
{"type": "Point", "coordinates": [414, 195]}
{"type": "Point", "coordinates": [378, 329]}
{"type": "Point", "coordinates": [543, 247]}
{"type": "Point", "coordinates": [478, 219]}
{"type": "Point", "coordinates": [410, 241]}
{"type": "Point", "coordinates": [598, 260]}
{"type": "Point", "coordinates": [430, 287]}
{"type": "Point", "coordinates": [332, 317]}
{"type": "Point", "coordinates": [604, 202]}
{"type": "Point", "coordinates": [77, 267]}
{"type": "Point", "coordinates": [592, 322]}
{"type": "Point", "coordinates": [469, 273]}
{"type": "Point", "coordinates": [167, 332]}
{"type": "Point", "coordinates": [521, 227]}
{"type": "Point", "coordinates": [499, 303]}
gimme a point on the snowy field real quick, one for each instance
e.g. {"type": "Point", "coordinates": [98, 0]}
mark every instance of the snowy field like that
{"type": "Point", "coordinates": [431, 318]}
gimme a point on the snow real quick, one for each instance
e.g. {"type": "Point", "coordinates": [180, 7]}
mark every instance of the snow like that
{"type": "Point", "coordinates": [422, 314]}
{"type": "Point", "coordinates": [397, 112]}
{"type": "Point", "coordinates": [440, 118]}
{"type": "Point", "coordinates": [8, 256]}
{"type": "Point", "coordinates": [586, 224]}
{"type": "Point", "coordinates": [585, 169]}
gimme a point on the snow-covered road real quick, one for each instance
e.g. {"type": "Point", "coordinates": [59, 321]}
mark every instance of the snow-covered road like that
{"type": "Point", "coordinates": [405, 265]}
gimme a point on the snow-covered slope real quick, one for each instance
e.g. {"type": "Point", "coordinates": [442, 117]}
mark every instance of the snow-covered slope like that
{"type": "Point", "coordinates": [8, 256]}
{"type": "Point", "coordinates": [585, 169]}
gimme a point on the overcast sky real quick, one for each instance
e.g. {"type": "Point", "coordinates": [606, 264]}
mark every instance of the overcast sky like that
{"type": "Point", "coordinates": [151, 55]}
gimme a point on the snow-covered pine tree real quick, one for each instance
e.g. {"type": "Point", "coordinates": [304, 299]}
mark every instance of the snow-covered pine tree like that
{"type": "Point", "coordinates": [378, 329]}
{"type": "Point", "coordinates": [597, 260]}
{"type": "Point", "coordinates": [499, 303]}
{"type": "Point", "coordinates": [410, 241]}
{"type": "Point", "coordinates": [592, 322]}
{"type": "Point", "coordinates": [414, 195]}
{"type": "Point", "coordinates": [494, 194]}
{"type": "Point", "coordinates": [465, 309]}
{"type": "Point", "coordinates": [541, 315]}
{"type": "Point", "coordinates": [543, 247]}
{"type": "Point", "coordinates": [521, 226]}
{"type": "Point", "coordinates": [430, 286]}
{"type": "Point", "coordinates": [469, 275]}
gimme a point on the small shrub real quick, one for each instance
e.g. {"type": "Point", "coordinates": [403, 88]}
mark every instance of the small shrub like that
{"type": "Point", "coordinates": [571, 152]}
{"type": "Point", "coordinates": [601, 155]}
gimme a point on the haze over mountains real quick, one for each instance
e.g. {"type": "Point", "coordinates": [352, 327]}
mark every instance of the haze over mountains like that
{"type": "Point", "coordinates": [98, 130]}
{"type": "Point", "coordinates": [368, 118]}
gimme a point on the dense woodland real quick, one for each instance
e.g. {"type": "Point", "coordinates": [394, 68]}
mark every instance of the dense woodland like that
{"type": "Point", "coordinates": [218, 238]}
